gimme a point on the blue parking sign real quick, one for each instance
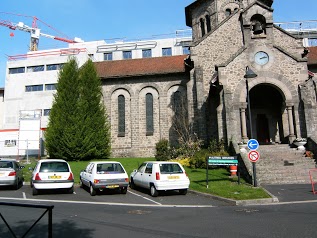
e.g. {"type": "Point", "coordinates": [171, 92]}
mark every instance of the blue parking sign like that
{"type": "Point", "coordinates": [253, 144]}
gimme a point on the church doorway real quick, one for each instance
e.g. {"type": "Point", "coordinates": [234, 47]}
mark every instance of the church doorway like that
{"type": "Point", "coordinates": [267, 106]}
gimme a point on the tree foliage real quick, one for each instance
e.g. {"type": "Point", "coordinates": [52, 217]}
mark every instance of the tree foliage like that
{"type": "Point", "coordinates": [78, 128]}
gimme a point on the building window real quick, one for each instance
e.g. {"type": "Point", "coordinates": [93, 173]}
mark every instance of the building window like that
{"type": "Point", "coordinates": [121, 116]}
{"type": "Point", "coordinates": [33, 88]}
{"type": "Point", "coordinates": [46, 112]}
{"type": "Point", "coordinates": [49, 87]}
{"type": "Point", "coordinates": [10, 143]}
{"type": "Point", "coordinates": [147, 53]}
{"type": "Point", "coordinates": [167, 51]}
{"type": "Point", "coordinates": [36, 68]}
{"type": "Point", "coordinates": [107, 56]}
{"type": "Point", "coordinates": [17, 70]}
{"type": "Point", "coordinates": [149, 114]}
{"type": "Point", "coordinates": [186, 50]}
{"type": "Point", "coordinates": [228, 12]}
{"type": "Point", "coordinates": [50, 67]}
{"type": "Point", "coordinates": [202, 27]}
{"type": "Point", "coordinates": [208, 23]}
{"type": "Point", "coordinates": [312, 42]}
{"type": "Point", "coordinates": [177, 105]}
{"type": "Point", "coordinates": [127, 54]}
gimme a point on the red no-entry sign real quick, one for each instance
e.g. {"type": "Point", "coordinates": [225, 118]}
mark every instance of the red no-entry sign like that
{"type": "Point", "coordinates": [253, 156]}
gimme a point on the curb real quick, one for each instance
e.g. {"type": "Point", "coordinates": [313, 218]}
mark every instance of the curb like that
{"type": "Point", "coordinates": [233, 202]}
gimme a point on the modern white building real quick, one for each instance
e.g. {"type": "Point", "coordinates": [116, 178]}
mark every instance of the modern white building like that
{"type": "Point", "coordinates": [31, 81]}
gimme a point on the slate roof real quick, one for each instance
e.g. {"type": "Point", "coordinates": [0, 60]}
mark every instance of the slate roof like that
{"type": "Point", "coordinates": [141, 67]}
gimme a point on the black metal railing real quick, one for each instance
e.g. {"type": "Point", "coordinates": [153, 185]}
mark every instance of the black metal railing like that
{"type": "Point", "coordinates": [48, 208]}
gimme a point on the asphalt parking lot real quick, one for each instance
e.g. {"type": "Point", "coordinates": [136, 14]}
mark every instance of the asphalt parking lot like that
{"type": "Point", "coordinates": [132, 198]}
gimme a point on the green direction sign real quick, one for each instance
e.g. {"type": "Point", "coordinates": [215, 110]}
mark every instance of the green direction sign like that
{"type": "Point", "coordinates": [222, 160]}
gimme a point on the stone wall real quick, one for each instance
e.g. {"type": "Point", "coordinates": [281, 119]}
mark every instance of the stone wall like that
{"type": "Point", "coordinates": [136, 142]}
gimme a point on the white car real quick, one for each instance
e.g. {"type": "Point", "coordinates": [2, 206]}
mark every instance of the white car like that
{"type": "Point", "coordinates": [160, 176]}
{"type": "Point", "coordinates": [52, 174]}
{"type": "Point", "coordinates": [104, 175]}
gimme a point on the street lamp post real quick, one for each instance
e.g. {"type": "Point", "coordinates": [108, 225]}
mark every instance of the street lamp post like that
{"type": "Point", "coordinates": [250, 74]}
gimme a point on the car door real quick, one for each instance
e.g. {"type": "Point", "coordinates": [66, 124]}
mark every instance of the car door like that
{"type": "Point", "coordinates": [147, 176]}
{"type": "Point", "coordinates": [138, 176]}
{"type": "Point", "coordinates": [85, 175]}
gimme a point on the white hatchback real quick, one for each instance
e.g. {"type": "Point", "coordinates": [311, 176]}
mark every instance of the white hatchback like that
{"type": "Point", "coordinates": [52, 174]}
{"type": "Point", "coordinates": [102, 175]}
{"type": "Point", "coordinates": [160, 176]}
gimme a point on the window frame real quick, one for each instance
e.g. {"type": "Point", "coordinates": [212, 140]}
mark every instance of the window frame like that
{"type": "Point", "coordinates": [167, 51]}
{"type": "Point", "coordinates": [147, 53]}
{"type": "Point", "coordinates": [127, 54]}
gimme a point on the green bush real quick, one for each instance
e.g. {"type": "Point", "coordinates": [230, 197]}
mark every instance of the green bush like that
{"type": "Point", "coordinates": [162, 150]}
{"type": "Point", "coordinates": [199, 159]}
{"type": "Point", "coordinates": [215, 148]}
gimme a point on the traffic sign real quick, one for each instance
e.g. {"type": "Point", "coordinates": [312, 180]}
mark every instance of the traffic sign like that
{"type": "Point", "coordinates": [253, 144]}
{"type": "Point", "coordinates": [253, 156]}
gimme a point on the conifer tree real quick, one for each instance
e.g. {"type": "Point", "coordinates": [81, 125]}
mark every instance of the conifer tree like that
{"type": "Point", "coordinates": [78, 127]}
{"type": "Point", "coordinates": [61, 137]}
{"type": "Point", "coordinates": [94, 125]}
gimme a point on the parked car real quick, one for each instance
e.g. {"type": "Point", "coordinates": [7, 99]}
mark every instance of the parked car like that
{"type": "Point", "coordinates": [51, 174]}
{"type": "Point", "coordinates": [160, 176]}
{"type": "Point", "coordinates": [104, 175]}
{"type": "Point", "coordinates": [11, 173]}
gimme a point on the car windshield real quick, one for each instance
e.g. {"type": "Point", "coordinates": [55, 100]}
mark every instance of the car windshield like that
{"type": "Point", "coordinates": [170, 169]}
{"type": "Point", "coordinates": [6, 165]}
{"type": "Point", "coordinates": [107, 168]}
{"type": "Point", "coordinates": [54, 167]}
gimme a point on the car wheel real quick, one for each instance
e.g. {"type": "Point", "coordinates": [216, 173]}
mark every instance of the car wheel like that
{"type": "Point", "coordinates": [124, 190]}
{"type": "Point", "coordinates": [153, 191]}
{"type": "Point", "coordinates": [132, 184]}
{"type": "Point", "coordinates": [92, 191]}
{"type": "Point", "coordinates": [81, 185]}
{"type": "Point", "coordinates": [35, 191]}
{"type": "Point", "coordinates": [183, 191]}
{"type": "Point", "coordinates": [71, 190]}
{"type": "Point", "coordinates": [16, 185]}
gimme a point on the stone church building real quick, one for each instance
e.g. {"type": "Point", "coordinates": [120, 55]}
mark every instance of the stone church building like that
{"type": "Point", "coordinates": [244, 78]}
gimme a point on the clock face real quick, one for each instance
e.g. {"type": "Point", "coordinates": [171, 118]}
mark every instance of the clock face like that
{"type": "Point", "coordinates": [261, 58]}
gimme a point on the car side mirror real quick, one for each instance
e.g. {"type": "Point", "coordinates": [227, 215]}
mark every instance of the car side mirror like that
{"type": "Point", "coordinates": [135, 170]}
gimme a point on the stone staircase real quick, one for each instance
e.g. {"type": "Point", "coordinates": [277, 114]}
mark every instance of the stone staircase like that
{"type": "Point", "coordinates": [280, 164]}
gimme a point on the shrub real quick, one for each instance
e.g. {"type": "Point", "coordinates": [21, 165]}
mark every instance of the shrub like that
{"type": "Point", "coordinates": [162, 150]}
{"type": "Point", "coordinates": [183, 161]}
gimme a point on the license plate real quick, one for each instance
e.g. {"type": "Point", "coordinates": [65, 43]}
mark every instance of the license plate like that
{"type": "Point", "coordinates": [173, 177]}
{"type": "Point", "coordinates": [54, 177]}
{"type": "Point", "coordinates": [112, 186]}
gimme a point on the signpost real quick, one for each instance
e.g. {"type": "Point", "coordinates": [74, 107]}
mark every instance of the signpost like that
{"type": "Point", "coordinates": [218, 161]}
{"type": "Point", "coordinates": [253, 156]}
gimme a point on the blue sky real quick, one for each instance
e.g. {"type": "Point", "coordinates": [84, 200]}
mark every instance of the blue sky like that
{"type": "Point", "coordinates": [108, 19]}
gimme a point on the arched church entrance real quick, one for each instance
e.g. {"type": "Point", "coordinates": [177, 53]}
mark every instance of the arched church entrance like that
{"type": "Point", "coordinates": [267, 106]}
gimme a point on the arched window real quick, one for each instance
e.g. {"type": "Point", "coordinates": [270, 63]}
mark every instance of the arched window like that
{"type": "Point", "coordinates": [208, 23]}
{"type": "Point", "coordinates": [121, 116]}
{"type": "Point", "coordinates": [202, 27]}
{"type": "Point", "coordinates": [177, 102]}
{"type": "Point", "coordinates": [149, 114]}
{"type": "Point", "coordinates": [228, 12]}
